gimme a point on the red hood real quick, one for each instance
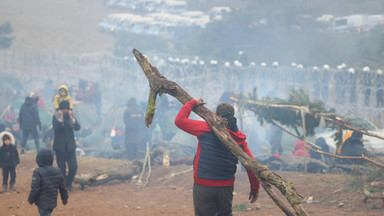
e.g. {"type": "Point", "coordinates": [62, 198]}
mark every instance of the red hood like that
{"type": "Point", "coordinates": [238, 136]}
{"type": "Point", "coordinates": [299, 145]}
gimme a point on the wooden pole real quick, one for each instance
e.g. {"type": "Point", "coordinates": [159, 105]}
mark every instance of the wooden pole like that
{"type": "Point", "coordinates": [303, 112]}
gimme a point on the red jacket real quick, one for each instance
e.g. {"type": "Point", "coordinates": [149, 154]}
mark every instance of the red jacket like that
{"type": "Point", "coordinates": [214, 164]}
{"type": "Point", "coordinates": [300, 150]}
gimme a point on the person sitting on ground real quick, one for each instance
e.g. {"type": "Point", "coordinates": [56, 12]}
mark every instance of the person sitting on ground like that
{"type": "Point", "coordinates": [323, 147]}
{"type": "Point", "coordinates": [345, 137]}
{"type": "Point", "coordinates": [353, 146]}
{"type": "Point", "coordinates": [46, 182]}
{"type": "Point", "coordinates": [300, 150]}
{"type": "Point", "coordinates": [9, 158]}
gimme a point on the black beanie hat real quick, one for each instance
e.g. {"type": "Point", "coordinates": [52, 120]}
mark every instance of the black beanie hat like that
{"type": "Point", "coordinates": [357, 135]}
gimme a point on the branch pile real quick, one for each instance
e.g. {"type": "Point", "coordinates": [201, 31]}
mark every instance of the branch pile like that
{"type": "Point", "coordinates": [288, 113]}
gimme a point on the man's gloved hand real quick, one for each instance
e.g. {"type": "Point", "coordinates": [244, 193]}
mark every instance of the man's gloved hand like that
{"type": "Point", "coordinates": [253, 197]}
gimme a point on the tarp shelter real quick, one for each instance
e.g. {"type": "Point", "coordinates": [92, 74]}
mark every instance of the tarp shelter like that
{"type": "Point", "coordinates": [86, 115]}
{"type": "Point", "coordinates": [100, 139]}
{"type": "Point", "coordinates": [362, 123]}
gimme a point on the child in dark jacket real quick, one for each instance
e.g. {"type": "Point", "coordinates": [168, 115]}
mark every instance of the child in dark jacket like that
{"type": "Point", "coordinates": [46, 181]}
{"type": "Point", "coordinates": [9, 158]}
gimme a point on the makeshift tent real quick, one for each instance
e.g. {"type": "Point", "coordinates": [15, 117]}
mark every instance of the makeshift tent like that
{"type": "Point", "coordinates": [362, 123]}
{"type": "Point", "coordinates": [86, 115]}
{"type": "Point", "coordinates": [99, 142]}
{"type": "Point", "coordinates": [113, 120]}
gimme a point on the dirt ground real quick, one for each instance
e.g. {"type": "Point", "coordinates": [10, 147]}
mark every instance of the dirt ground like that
{"type": "Point", "coordinates": [165, 195]}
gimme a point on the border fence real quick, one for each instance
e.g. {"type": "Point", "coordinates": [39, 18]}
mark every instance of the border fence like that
{"type": "Point", "coordinates": [349, 91]}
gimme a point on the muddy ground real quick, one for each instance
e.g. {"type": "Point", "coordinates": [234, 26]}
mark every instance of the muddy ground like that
{"type": "Point", "coordinates": [166, 195]}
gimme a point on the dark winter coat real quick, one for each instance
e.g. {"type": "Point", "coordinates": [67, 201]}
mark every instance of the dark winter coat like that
{"type": "Point", "coordinates": [29, 114]}
{"type": "Point", "coordinates": [324, 148]}
{"type": "Point", "coordinates": [46, 181]}
{"type": "Point", "coordinates": [9, 157]}
{"type": "Point", "coordinates": [64, 140]}
{"type": "Point", "coordinates": [134, 125]}
{"type": "Point", "coordinates": [353, 146]}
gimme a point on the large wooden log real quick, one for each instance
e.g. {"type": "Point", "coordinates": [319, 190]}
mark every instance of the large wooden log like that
{"type": "Point", "coordinates": [99, 179]}
{"type": "Point", "coordinates": [159, 85]}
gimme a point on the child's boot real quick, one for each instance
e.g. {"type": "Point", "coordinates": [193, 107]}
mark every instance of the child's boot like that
{"type": "Point", "coordinates": [12, 187]}
{"type": "Point", "coordinates": [5, 186]}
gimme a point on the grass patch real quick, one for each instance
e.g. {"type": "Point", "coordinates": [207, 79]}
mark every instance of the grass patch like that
{"type": "Point", "coordinates": [242, 207]}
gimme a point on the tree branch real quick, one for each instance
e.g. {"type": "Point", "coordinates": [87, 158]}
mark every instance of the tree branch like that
{"type": "Point", "coordinates": [326, 116]}
{"type": "Point", "coordinates": [326, 153]}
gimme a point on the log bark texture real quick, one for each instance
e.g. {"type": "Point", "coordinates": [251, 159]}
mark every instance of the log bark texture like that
{"type": "Point", "coordinates": [100, 179]}
{"type": "Point", "coordinates": [159, 85]}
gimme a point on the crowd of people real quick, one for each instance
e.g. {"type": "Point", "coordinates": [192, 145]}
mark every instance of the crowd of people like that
{"type": "Point", "coordinates": [47, 180]}
{"type": "Point", "coordinates": [211, 154]}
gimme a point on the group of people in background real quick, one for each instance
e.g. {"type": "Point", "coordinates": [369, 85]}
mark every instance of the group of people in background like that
{"type": "Point", "coordinates": [351, 146]}
{"type": "Point", "coordinates": [47, 180]}
{"type": "Point", "coordinates": [136, 136]}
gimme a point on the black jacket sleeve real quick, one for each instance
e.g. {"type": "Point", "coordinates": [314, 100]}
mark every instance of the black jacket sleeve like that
{"type": "Point", "coordinates": [76, 125]}
{"type": "Point", "coordinates": [35, 187]}
{"type": "Point", "coordinates": [17, 158]}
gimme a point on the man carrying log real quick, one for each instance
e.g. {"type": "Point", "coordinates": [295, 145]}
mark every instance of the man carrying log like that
{"type": "Point", "coordinates": [214, 165]}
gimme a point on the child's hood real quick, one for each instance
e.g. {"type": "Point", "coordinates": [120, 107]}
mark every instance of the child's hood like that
{"type": "Point", "coordinates": [44, 158]}
{"type": "Point", "coordinates": [300, 144]}
{"type": "Point", "coordinates": [62, 87]}
{"type": "Point", "coordinates": [9, 134]}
